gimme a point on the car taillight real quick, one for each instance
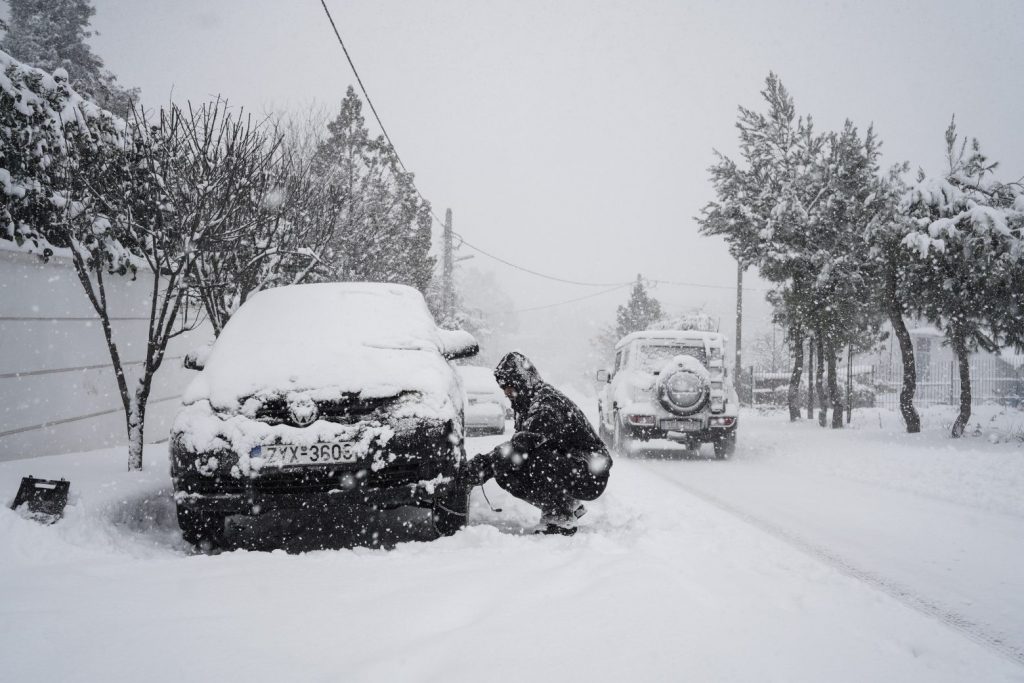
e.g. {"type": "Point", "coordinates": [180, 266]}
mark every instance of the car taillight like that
{"type": "Point", "coordinates": [722, 421]}
{"type": "Point", "coordinates": [641, 420]}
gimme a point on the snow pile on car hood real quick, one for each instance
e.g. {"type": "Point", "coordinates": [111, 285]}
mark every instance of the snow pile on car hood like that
{"type": "Point", "coordinates": [375, 340]}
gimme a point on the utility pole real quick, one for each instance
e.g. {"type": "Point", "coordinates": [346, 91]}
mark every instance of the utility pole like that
{"type": "Point", "coordinates": [447, 274]}
{"type": "Point", "coordinates": [739, 322]}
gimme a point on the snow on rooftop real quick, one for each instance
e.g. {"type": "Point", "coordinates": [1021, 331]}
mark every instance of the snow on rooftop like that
{"type": "Point", "coordinates": [694, 335]}
{"type": "Point", "coordinates": [688, 321]}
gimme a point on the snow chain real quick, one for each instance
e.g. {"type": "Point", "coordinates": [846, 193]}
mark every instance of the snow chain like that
{"type": "Point", "coordinates": [452, 512]}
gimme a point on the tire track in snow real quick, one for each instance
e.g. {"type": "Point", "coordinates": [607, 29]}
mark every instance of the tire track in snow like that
{"type": "Point", "coordinates": [901, 593]}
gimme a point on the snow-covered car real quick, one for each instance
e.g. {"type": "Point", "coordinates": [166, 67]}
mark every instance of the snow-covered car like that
{"type": "Point", "coordinates": [486, 404]}
{"type": "Point", "coordinates": [321, 395]}
{"type": "Point", "coordinates": [669, 384]}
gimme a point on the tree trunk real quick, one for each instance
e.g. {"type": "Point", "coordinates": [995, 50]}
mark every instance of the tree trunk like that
{"type": "Point", "coordinates": [959, 341]}
{"type": "Point", "coordinates": [834, 394]}
{"type": "Point", "coordinates": [907, 409]}
{"type": "Point", "coordinates": [819, 385]}
{"type": "Point", "coordinates": [899, 327]}
{"type": "Point", "coordinates": [849, 384]}
{"type": "Point", "coordinates": [797, 374]}
{"type": "Point", "coordinates": [136, 426]}
{"type": "Point", "coordinates": [810, 378]}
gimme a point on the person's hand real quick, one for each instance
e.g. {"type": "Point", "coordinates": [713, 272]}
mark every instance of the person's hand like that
{"type": "Point", "coordinates": [526, 442]}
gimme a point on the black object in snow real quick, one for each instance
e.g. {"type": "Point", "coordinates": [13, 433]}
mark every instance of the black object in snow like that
{"type": "Point", "coordinates": [46, 498]}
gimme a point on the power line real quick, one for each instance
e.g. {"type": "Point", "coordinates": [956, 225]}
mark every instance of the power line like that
{"type": "Point", "coordinates": [365, 94]}
{"type": "Point", "coordinates": [623, 286]}
{"type": "Point", "coordinates": [437, 219]}
{"type": "Point", "coordinates": [572, 301]}
{"type": "Point", "coordinates": [433, 213]}
{"type": "Point", "coordinates": [376, 116]}
{"type": "Point", "coordinates": [699, 284]}
{"type": "Point", "coordinates": [615, 285]}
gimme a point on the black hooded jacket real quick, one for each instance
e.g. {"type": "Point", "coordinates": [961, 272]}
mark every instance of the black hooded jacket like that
{"type": "Point", "coordinates": [548, 420]}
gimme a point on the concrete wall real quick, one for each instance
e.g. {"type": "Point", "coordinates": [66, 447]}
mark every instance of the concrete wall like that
{"type": "Point", "coordinates": [57, 387]}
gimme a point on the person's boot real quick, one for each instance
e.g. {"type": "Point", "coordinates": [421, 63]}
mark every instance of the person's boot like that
{"type": "Point", "coordinates": [561, 522]}
{"type": "Point", "coordinates": [556, 526]}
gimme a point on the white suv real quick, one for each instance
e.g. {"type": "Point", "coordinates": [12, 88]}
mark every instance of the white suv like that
{"type": "Point", "coordinates": [669, 384]}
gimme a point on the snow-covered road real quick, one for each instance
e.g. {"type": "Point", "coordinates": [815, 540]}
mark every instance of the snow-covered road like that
{"type": "Point", "coordinates": [813, 555]}
{"type": "Point", "coordinates": [946, 557]}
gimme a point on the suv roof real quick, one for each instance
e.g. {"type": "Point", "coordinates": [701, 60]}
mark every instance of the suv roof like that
{"type": "Point", "coordinates": [673, 335]}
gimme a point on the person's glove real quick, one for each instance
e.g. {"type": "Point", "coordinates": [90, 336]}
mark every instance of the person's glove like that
{"type": "Point", "coordinates": [525, 443]}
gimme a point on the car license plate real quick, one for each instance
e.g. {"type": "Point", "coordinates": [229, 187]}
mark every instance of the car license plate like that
{"type": "Point", "coordinates": [287, 455]}
{"type": "Point", "coordinates": [681, 425]}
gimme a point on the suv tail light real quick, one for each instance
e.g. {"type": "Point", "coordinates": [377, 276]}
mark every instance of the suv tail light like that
{"type": "Point", "coordinates": [641, 420]}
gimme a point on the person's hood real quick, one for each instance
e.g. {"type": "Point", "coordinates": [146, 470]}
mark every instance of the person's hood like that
{"type": "Point", "coordinates": [515, 370]}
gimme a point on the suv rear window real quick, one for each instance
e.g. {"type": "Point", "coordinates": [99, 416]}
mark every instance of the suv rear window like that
{"type": "Point", "coordinates": [650, 357]}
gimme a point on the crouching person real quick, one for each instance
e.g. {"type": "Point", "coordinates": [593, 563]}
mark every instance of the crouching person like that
{"type": "Point", "coordinates": [554, 460]}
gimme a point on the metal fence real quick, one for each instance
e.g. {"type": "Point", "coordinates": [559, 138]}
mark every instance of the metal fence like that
{"type": "Point", "coordinates": [992, 381]}
{"type": "Point", "coordinates": [878, 383]}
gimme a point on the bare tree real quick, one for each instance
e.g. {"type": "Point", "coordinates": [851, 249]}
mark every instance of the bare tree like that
{"type": "Point", "coordinates": [121, 213]}
{"type": "Point", "coordinates": [281, 222]}
{"type": "Point", "coordinates": [174, 190]}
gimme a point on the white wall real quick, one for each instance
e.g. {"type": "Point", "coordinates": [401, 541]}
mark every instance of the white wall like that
{"type": "Point", "coordinates": [57, 386]}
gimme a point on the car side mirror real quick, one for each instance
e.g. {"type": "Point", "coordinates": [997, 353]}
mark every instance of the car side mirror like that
{"type": "Point", "coordinates": [458, 344]}
{"type": "Point", "coordinates": [196, 358]}
{"type": "Point", "coordinates": [604, 376]}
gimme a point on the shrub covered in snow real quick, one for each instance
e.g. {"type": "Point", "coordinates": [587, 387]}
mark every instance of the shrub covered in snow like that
{"type": "Point", "coordinates": [42, 122]}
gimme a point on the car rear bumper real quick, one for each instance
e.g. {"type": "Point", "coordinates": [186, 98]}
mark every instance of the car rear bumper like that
{"type": "Point", "coordinates": [706, 433]}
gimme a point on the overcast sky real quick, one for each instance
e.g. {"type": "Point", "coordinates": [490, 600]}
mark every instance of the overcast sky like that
{"type": "Point", "coordinates": [574, 137]}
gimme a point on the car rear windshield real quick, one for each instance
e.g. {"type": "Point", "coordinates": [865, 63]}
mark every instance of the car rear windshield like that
{"type": "Point", "coordinates": [651, 357]}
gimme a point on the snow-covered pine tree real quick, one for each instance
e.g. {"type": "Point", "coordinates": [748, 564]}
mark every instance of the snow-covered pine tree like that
{"type": "Point", "coordinates": [639, 313]}
{"type": "Point", "coordinates": [383, 228]}
{"type": "Point", "coordinates": [796, 208]}
{"type": "Point", "coordinates": [845, 313]}
{"type": "Point", "coordinates": [766, 208]}
{"type": "Point", "coordinates": [51, 35]}
{"type": "Point", "coordinates": [967, 245]}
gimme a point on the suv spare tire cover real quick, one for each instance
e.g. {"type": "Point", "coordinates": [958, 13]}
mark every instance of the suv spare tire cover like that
{"type": "Point", "coordinates": [682, 391]}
